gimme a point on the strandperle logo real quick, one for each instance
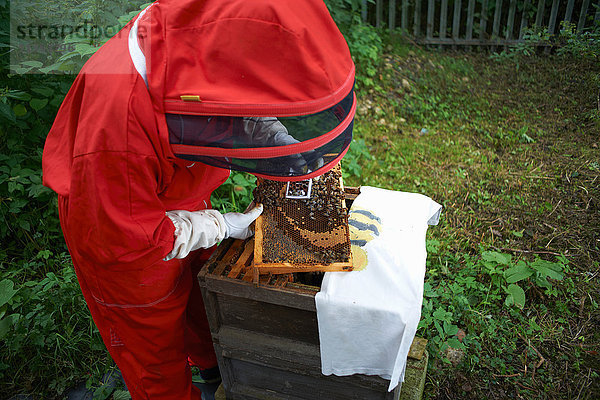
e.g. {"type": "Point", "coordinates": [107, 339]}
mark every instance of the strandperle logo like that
{"type": "Point", "coordinates": [84, 30]}
{"type": "Point", "coordinates": [58, 36]}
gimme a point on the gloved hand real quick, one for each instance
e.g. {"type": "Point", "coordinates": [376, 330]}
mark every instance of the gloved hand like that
{"type": "Point", "coordinates": [238, 224]}
{"type": "Point", "coordinates": [270, 131]}
{"type": "Point", "coordinates": [203, 229]}
{"type": "Point", "coordinates": [262, 130]}
{"type": "Point", "coordinates": [302, 161]}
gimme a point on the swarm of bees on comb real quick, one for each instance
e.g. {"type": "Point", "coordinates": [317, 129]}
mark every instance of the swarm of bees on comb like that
{"type": "Point", "coordinates": [309, 232]}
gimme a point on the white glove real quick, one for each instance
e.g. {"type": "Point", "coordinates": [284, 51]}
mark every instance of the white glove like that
{"type": "Point", "coordinates": [203, 229]}
{"type": "Point", "coordinates": [300, 160]}
{"type": "Point", "coordinates": [238, 224]}
{"type": "Point", "coordinates": [267, 131]}
{"type": "Point", "coordinates": [195, 230]}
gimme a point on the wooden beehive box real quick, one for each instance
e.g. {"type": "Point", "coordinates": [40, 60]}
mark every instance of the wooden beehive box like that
{"type": "Point", "coordinates": [266, 335]}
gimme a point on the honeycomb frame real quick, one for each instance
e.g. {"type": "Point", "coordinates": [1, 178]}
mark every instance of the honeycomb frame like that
{"type": "Point", "coordinates": [308, 235]}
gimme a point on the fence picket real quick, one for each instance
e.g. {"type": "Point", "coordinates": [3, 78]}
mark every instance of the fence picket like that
{"type": "Point", "coordinates": [417, 19]}
{"type": "Point", "coordinates": [540, 13]}
{"type": "Point", "coordinates": [506, 30]}
{"type": "Point", "coordinates": [524, 19]}
{"type": "Point", "coordinates": [483, 20]}
{"type": "Point", "coordinates": [496, 27]}
{"type": "Point", "coordinates": [553, 15]}
{"type": "Point", "coordinates": [552, 21]}
{"type": "Point", "coordinates": [443, 19]}
{"type": "Point", "coordinates": [456, 21]}
{"type": "Point", "coordinates": [404, 20]}
{"type": "Point", "coordinates": [569, 10]}
{"type": "Point", "coordinates": [583, 15]}
{"type": "Point", "coordinates": [470, 16]}
{"type": "Point", "coordinates": [430, 15]}
{"type": "Point", "coordinates": [511, 19]}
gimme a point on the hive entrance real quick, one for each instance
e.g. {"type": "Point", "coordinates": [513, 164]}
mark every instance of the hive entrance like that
{"type": "Point", "coordinates": [300, 232]}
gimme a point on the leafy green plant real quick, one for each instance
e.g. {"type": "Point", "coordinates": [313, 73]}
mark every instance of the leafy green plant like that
{"type": "Point", "coordinates": [365, 46]}
{"type": "Point", "coordinates": [568, 41]}
{"type": "Point", "coordinates": [235, 194]}
{"type": "Point", "coordinates": [49, 340]}
{"type": "Point", "coordinates": [27, 208]}
{"type": "Point", "coordinates": [344, 11]}
{"type": "Point", "coordinates": [56, 337]}
{"type": "Point", "coordinates": [481, 286]}
{"type": "Point", "coordinates": [364, 40]}
{"type": "Point", "coordinates": [357, 155]}
{"type": "Point", "coordinates": [580, 44]}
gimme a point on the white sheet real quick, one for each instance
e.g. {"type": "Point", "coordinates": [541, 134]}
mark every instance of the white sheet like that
{"type": "Point", "coordinates": [368, 319]}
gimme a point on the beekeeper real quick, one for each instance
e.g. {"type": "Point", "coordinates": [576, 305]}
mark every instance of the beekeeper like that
{"type": "Point", "coordinates": [151, 126]}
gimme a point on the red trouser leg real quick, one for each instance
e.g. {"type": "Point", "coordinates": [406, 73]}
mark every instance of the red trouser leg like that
{"type": "Point", "coordinates": [151, 321]}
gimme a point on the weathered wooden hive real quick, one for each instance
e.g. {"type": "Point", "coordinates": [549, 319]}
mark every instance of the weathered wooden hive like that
{"type": "Point", "coordinates": [266, 336]}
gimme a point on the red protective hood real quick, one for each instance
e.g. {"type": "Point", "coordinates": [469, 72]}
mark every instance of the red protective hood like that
{"type": "Point", "coordinates": [244, 58]}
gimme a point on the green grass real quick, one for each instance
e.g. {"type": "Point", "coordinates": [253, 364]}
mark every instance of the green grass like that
{"type": "Point", "coordinates": [509, 146]}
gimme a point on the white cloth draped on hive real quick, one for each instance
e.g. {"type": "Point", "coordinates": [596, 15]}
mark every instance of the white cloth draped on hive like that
{"type": "Point", "coordinates": [368, 318]}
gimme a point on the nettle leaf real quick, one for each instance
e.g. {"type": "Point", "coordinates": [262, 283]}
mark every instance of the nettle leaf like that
{"type": "Point", "coordinates": [494, 256]}
{"type": "Point", "coordinates": [38, 104]}
{"type": "Point", "coordinates": [6, 323]}
{"type": "Point", "coordinates": [7, 112]}
{"type": "Point", "coordinates": [450, 329]}
{"type": "Point", "coordinates": [44, 91]}
{"type": "Point", "coordinates": [16, 206]}
{"type": "Point", "coordinates": [121, 395]}
{"type": "Point", "coordinates": [548, 269]}
{"type": "Point", "coordinates": [68, 56]}
{"type": "Point", "coordinates": [19, 95]}
{"type": "Point", "coordinates": [85, 49]}
{"type": "Point", "coordinates": [34, 64]}
{"type": "Point", "coordinates": [516, 295]}
{"type": "Point", "coordinates": [438, 327]}
{"type": "Point", "coordinates": [60, 66]}
{"type": "Point", "coordinates": [518, 273]}
{"type": "Point", "coordinates": [37, 189]}
{"type": "Point", "coordinates": [35, 179]}
{"type": "Point", "coordinates": [19, 110]}
{"type": "Point", "coordinates": [542, 281]}
{"type": "Point", "coordinates": [14, 186]}
{"type": "Point", "coordinates": [455, 343]}
{"type": "Point", "coordinates": [7, 291]}
{"type": "Point", "coordinates": [25, 225]}
{"type": "Point", "coordinates": [23, 172]}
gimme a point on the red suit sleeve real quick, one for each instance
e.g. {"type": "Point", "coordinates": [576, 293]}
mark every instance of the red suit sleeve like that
{"type": "Point", "coordinates": [116, 173]}
{"type": "Point", "coordinates": [115, 216]}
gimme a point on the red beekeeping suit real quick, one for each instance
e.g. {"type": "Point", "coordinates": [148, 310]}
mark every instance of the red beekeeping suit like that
{"type": "Point", "coordinates": [117, 169]}
{"type": "Point", "coordinates": [116, 176]}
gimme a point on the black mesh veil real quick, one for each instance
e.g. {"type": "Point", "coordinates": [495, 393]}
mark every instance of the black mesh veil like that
{"type": "Point", "coordinates": [282, 147]}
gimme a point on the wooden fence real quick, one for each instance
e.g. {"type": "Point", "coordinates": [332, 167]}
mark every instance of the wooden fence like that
{"type": "Point", "coordinates": [478, 22]}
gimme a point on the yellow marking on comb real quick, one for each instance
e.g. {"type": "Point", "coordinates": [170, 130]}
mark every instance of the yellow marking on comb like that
{"type": "Point", "coordinates": [190, 97]}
